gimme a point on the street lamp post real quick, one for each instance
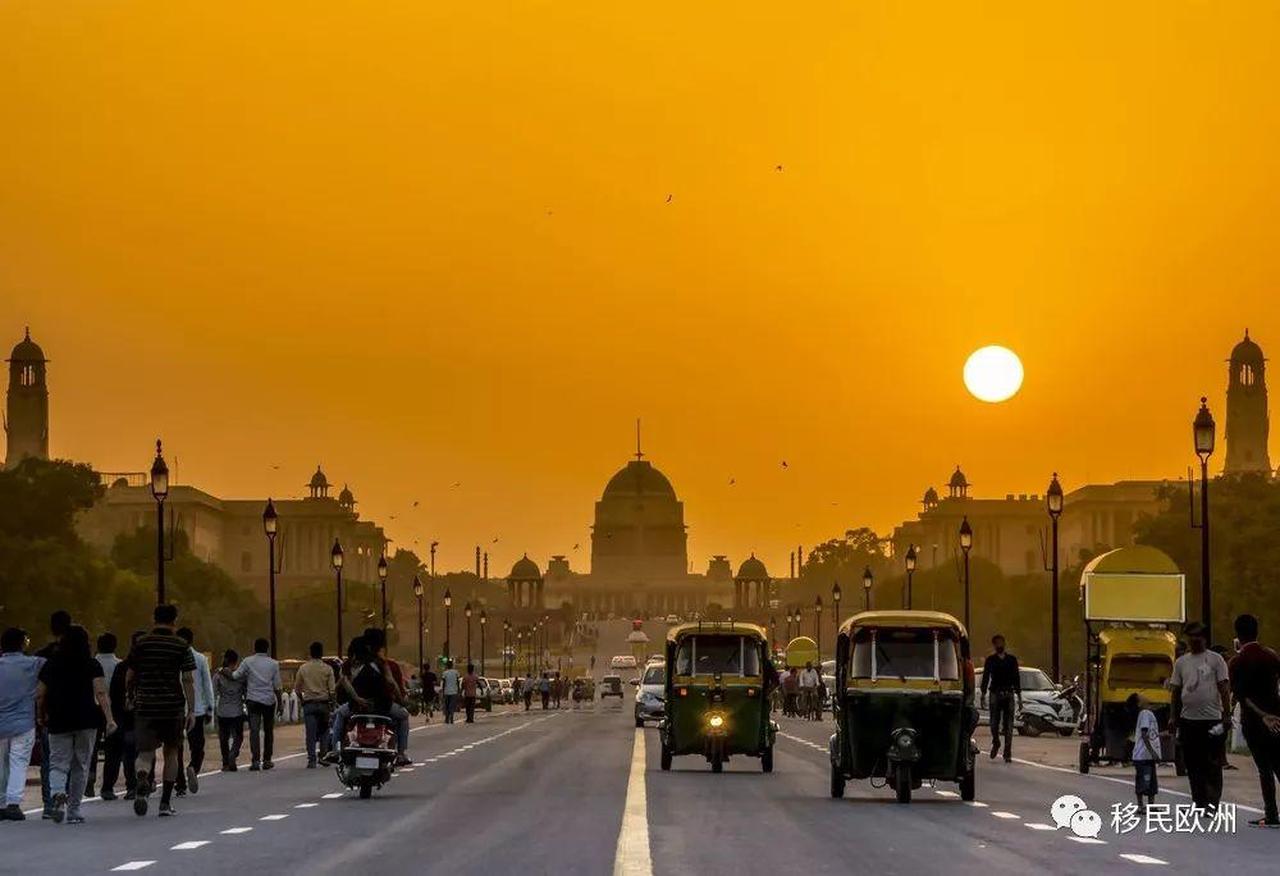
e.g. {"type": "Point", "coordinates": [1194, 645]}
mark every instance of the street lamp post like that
{"type": "Point", "coordinates": [836, 595]}
{"type": "Point", "coordinates": [966, 543]}
{"type": "Point", "coordinates": [867, 581]}
{"type": "Point", "coordinates": [335, 558]}
{"type": "Point", "coordinates": [1053, 502]}
{"type": "Point", "coordinates": [506, 648]}
{"type": "Point", "coordinates": [448, 625]}
{"type": "Point", "coordinates": [160, 491]}
{"type": "Point", "coordinates": [910, 562]}
{"type": "Point", "coordinates": [519, 644]}
{"type": "Point", "coordinates": [271, 526]}
{"type": "Point", "coordinates": [1204, 431]}
{"type": "Point", "coordinates": [466, 610]}
{"type": "Point", "coordinates": [382, 581]}
{"type": "Point", "coordinates": [484, 620]}
{"type": "Point", "coordinates": [417, 594]}
{"type": "Point", "coordinates": [817, 622]}
{"type": "Point", "coordinates": [431, 580]}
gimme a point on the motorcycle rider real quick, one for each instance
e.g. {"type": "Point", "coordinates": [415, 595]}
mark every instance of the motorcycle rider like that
{"type": "Point", "coordinates": [377, 641]}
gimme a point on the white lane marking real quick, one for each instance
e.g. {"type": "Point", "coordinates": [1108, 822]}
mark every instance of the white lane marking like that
{"type": "Point", "coordinates": [633, 857]}
{"type": "Point", "coordinates": [405, 770]}
{"type": "Point", "coordinates": [432, 759]}
{"type": "Point", "coordinates": [132, 865]}
{"type": "Point", "coordinates": [1087, 841]}
{"type": "Point", "coordinates": [232, 831]}
{"type": "Point", "coordinates": [336, 795]}
{"type": "Point", "coordinates": [1038, 825]}
{"type": "Point", "coordinates": [188, 846]}
{"type": "Point", "coordinates": [305, 805]}
{"type": "Point", "coordinates": [1001, 814]}
{"type": "Point", "coordinates": [976, 804]}
{"type": "Point", "coordinates": [942, 793]}
{"type": "Point", "coordinates": [277, 817]}
{"type": "Point", "coordinates": [1142, 859]}
{"type": "Point", "coordinates": [1116, 780]}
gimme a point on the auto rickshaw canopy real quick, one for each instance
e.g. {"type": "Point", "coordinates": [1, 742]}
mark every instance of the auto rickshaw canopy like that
{"type": "Point", "coordinates": [910, 619]}
{"type": "Point", "coordinates": [712, 628]}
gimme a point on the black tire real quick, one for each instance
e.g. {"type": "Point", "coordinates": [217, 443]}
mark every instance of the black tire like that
{"type": "Point", "coordinates": [968, 786]}
{"type": "Point", "coordinates": [666, 758]}
{"type": "Point", "coordinates": [366, 789]}
{"type": "Point", "coordinates": [1084, 757]}
{"type": "Point", "coordinates": [717, 765]}
{"type": "Point", "coordinates": [639, 721]}
{"type": "Point", "coordinates": [902, 782]}
{"type": "Point", "coordinates": [766, 760]}
{"type": "Point", "coordinates": [1066, 731]}
{"type": "Point", "coordinates": [837, 784]}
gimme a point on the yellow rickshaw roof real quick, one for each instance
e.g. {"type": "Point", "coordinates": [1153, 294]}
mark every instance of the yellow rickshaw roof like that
{"type": "Point", "coordinates": [1138, 641]}
{"type": "Point", "coordinates": [735, 628]}
{"type": "Point", "coordinates": [903, 618]}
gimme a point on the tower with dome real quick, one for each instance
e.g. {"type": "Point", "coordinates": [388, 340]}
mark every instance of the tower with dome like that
{"type": "Point", "coordinates": [26, 422]}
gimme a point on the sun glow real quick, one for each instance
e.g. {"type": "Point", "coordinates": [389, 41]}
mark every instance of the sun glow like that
{"type": "Point", "coordinates": [993, 374]}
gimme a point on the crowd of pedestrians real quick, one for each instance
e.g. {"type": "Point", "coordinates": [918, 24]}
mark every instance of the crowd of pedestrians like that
{"type": "Point", "coordinates": [75, 708]}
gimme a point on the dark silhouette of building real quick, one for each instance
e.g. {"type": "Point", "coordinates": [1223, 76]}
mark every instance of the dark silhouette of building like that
{"type": "Point", "coordinates": [27, 413]}
{"type": "Point", "coordinates": [1247, 421]}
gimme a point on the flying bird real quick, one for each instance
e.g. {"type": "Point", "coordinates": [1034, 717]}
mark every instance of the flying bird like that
{"type": "Point", "coordinates": [495, 539]}
{"type": "Point", "coordinates": [777, 167]}
{"type": "Point", "coordinates": [415, 503]}
{"type": "Point", "coordinates": [457, 483]}
{"type": "Point", "coordinates": [669, 197]}
{"type": "Point", "coordinates": [732, 481]}
{"type": "Point", "coordinates": [575, 547]}
{"type": "Point", "coordinates": [784, 463]}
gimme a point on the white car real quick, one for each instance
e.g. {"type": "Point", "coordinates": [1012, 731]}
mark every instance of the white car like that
{"type": "Point", "coordinates": [651, 701]}
{"type": "Point", "coordinates": [1043, 710]}
{"type": "Point", "coordinates": [673, 618]}
{"type": "Point", "coordinates": [623, 661]}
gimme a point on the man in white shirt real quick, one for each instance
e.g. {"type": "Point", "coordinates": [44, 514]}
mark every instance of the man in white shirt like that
{"type": "Point", "coordinates": [809, 681]}
{"type": "Point", "coordinates": [1201, 714]}
{"type": "Point", "coordinates": [261, 674]}
{"type": "Point", "coordinates": [108, 660]}
{"type": "Point", "coordinates": [450, 687]}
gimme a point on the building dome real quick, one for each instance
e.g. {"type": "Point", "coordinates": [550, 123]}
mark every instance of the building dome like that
{"type": "Point", "coordinates": [525, 569]}
{"type": "Point", "coordinates": [1246, 351]}
{"type": "Point", "coordinates": [958, 480]}
{"type": "Point", "coordinates": [318, 480]}
{"type": "Point", "coordinates": [27, 350]}
{"type": "Point", "coordinates": [346, 498]}
{"type": "Point", "coordinates": [639, 478]}
{"type": "Point", "coordinates": [930, 496]}
{"type": "Point", "coordinates": [753, 570]}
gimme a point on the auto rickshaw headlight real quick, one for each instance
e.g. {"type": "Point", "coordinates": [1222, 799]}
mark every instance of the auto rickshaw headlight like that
{"type": "Point", "coordinates": [716, 721]}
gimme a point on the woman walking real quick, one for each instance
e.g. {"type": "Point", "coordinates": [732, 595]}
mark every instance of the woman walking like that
{"type": "Point", "coordinates": [72, 702]}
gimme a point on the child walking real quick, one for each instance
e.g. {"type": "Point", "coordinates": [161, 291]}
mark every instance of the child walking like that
{"type": "Point", "coordinates": [1146, 751]}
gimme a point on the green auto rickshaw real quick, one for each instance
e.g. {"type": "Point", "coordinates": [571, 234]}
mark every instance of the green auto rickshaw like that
{"type": "Point", "coordinates": [903, 702]}
{"type": "Point", "coordinates": [717, 694]}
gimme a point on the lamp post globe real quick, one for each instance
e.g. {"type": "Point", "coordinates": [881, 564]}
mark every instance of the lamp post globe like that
{"type": "Point", "coordinates": [1053, 501]}
{"type": "Point", "coordinates": [910, 562]}
{"type": "Point", "coordinates": [966, 544]}
{"type": "Point", "coordinates": [448, 624]}
{"type": "Point", "coordinates": [867, 580]}
{"type": "Point", "coordinates": [417, 595]}
{"type": "Point", "coordinates": [336, 559]}
{"type": "Point", "coordinates": [1204, 432]}
{"type": "Point", "coordinates": [382, 583]}
{"type": "Point", "coordinates": [159, 492]}
{"type": "Point", "coordinates": [271, 526]}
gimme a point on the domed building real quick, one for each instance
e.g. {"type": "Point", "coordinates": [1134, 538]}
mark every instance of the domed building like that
{"type": "Point", "coordinates": [1248, 423]}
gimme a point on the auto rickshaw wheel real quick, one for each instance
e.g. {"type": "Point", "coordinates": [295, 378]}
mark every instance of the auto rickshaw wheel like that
{"type": "Point", "coordinates": [967, 786]}
{"type": "Point", "coordinates": [1084, 757]}
{"type": "Point", "coordinates": [666, 758]}
{"type": "Point", "coordinates": [766, 760]}
{"type": "Point", "coordinates": [902, 781]}
{"type": "Point", "coordinates": [837, 783]}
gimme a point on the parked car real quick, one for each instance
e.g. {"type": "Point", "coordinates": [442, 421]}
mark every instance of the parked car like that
{"type": "Point", "coordinates": [611, 686]}
{"type": "Point", "coordinates": [673, 618]}
{"type": "Point", "coordinates": [508, 691]}
{"type": "Point", "coordinates": [623, 661]}
{"type": "Point", "coordinates": [651, 702]}
{"type": "Point", "coordinates": [484, 694]}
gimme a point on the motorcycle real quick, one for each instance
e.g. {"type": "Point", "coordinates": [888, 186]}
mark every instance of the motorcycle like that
{"type": "Point", "coordinates": [368, 755]}
{"type": "Point", "coordinates": [1060, 713]}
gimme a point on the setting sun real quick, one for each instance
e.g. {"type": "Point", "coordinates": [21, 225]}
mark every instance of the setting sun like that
{"type": "Point", "coordinates": [993, 374]}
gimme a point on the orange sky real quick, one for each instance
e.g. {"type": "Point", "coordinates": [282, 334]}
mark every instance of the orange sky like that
{"type": "Point", "coordinates": [427, 243]}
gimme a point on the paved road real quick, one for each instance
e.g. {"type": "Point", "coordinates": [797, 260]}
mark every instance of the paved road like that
{"type": "Point", "coordinates": [581, 792]}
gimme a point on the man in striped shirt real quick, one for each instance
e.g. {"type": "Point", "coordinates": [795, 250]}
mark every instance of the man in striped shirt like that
{"type": "Point", "coordinates": [161, 678]}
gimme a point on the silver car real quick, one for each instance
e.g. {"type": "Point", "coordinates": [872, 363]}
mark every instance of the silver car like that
{"type": "Point", "coordinates": [651, 701]}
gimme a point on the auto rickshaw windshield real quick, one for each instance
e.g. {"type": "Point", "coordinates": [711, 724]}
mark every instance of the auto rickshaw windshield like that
{"type": "Point", "coordinates": [905, 653]}
{"type": "Point", "coordinates": [718, 654]}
